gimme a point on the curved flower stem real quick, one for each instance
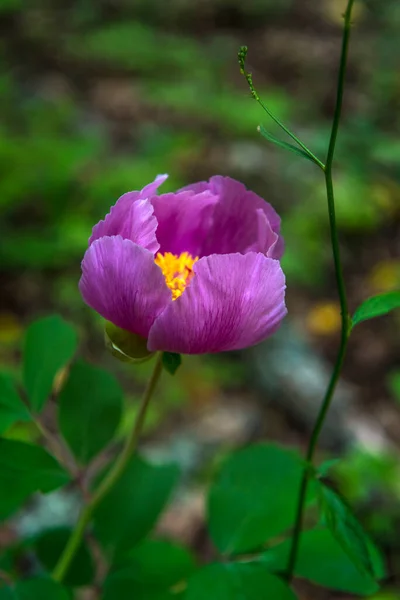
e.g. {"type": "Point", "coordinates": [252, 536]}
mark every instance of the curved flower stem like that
{"type": "Point", "coordinates": [110, 479]}
{"type": "Point", "coordinates": [345, 319]}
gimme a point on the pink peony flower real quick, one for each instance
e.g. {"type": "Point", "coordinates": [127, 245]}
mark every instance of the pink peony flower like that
{"type": "Point", "coordinates": [195, 271]}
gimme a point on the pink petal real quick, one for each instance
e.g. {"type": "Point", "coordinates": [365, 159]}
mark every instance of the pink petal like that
{"type": "Point", "coordinates": [121, 281]}
{"type": "Point", "coordinates": [232, 302]}
{"type": "Point", "coordinates": [132, 218]}
{"type": "Point", "coordinates": [266, 241]}
{"type": "Point", "coordinates": [237, 225]}
{"type": "Point", "coordinates": [184, 220]}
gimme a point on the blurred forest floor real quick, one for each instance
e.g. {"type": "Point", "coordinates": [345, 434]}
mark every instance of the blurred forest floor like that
{"type": "Point", "coordinates": [97, 98]}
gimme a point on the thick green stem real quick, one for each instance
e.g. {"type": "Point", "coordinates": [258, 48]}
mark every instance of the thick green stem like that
{"type": "Point", "coordinates": [342, 296]}
{"type": "Point", "coordinates": [110, 479]}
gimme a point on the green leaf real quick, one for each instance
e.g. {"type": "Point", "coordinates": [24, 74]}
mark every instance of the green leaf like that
{"type": "Point", "coordinates": [25, 469]}
{"type": "Point", "coordinates": [323, 561]}
{"type": "Point", "coordinates": [236, 581]}
{"type": "Point", "coordinates": [171, 362]}
{"type": "Point", "coordinates": [254, 497]}
{"type": "Point", "coordinates": [40, 589]}
{"type": "Point", "coordinates": [376, 307]}
{"type": "Point", "coordinates": [325, 468]}
{"type": "Point", "coordinates": [35, 589]}
{"type": "Point", "coordinates": [346, 529]}
{"type": "Point", "coordinates": [90, 409]}
{"type": "Point", "coordinates": [124, 586]}
{"type": "Point", "coordinates": [49, 546]}
{"type": "Point", "coordinates": [157, 563]}
{"type": "Point", "coordinates": [50, 344]}
{"type": "Point", "coordinates": [285, 145]}
{"type": "Point", "coordinates": [7, 594]}
{"type": "Point", "coordinates": [12, 409]}
{"type": "Point", "coordinates": [130, 510]}
{"type": "Point", "coordinates": [149, 571]}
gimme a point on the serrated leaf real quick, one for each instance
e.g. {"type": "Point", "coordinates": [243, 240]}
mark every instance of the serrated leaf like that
{"type": "Point", "coordinates": [50, 344]}
{"type": "Point", "coordinates": [322, 560]}
{"type": "Point", "coordinates": [284, 145]}
{"type": "Point", "coordinates": [236, 581]}
{"type": "Point", "coordinates": [49, 546]}
{"type": "Point", "coordinates": [130, 510]}
{"type": "Point", "coordinates": [253, 498]}
{"type": "Point", "coordinates": [346, 529]}
{"type": "Point", "coordinates": [376, 307]}
{"type": "Point", "coordinates": [90, 409]}
{"type": "Point", "coordinates": [12, 409]}
{"type": "Point", "coordinates": [171, 362]}
{"type": "Point", "coordinates": [25, 469]}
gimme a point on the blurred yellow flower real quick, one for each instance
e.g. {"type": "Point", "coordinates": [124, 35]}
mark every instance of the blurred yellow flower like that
{"type": "Point", "coordinates": [324, 318]}
{"type": "Point", "coordinates": [385, 276]}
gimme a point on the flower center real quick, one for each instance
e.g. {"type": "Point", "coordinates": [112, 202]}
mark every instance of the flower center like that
{"type": "Point", "coordinates": [177, 270]}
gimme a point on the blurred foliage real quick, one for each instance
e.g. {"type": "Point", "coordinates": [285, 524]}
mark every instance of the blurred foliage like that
{"type": "Point", "coordinates": [62, 164]}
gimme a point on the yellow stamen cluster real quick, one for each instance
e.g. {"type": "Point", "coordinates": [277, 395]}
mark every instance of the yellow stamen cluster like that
{"type": "Point", "coordinates": [177, 270]}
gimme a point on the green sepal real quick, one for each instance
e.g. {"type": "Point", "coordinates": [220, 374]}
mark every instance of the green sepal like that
{"type": "Point", "coordinates": [126, 346]}
{"type": "Point", "coordinates": [171, 362]}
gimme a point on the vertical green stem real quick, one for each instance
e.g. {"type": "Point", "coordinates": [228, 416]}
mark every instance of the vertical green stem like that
{"type": "Point", "coordinates": [342, 296]}
{"type": "Point", "coordinates": [110, 479]}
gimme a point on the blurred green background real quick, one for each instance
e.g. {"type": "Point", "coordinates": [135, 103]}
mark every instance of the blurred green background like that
{"type": "Point", "coordinates": [99, 96]}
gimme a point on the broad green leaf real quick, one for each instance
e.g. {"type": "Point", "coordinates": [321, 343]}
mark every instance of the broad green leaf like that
{"type": "Point", "coordinates": [323, 561]}
{"type": "Point", "coordinates": [253, 498]}
{"type": "Point", "coordinates": [346, 529]}
{"type": "Point", "coordinates": [295, 149]}
{"type": "Point", "coordinates": [50, 344]}
{"type": "Point", "coordinates": [123, 586]}
{"type": "Point", "coordinates": [171, 362]}
{"type": "Point", "coordinates": [40, 589]}
{"type": "Point", "coordinates": [90, 408]}
{"type": "Point", "coordinates": [149, 572]}
{"type": "Point", "coordinates": [157, 563]}
{"type": "Point", "coordinates": [49, 546]}
{"type": "Point", "coordinates": [7, 558]}
{"type": "Point", "coordinates": [7, 594]}
{"type": "Point", "coordinates": [236, 581]}
{"type": "Point", "coordinates": [12, 409]}
{"type": "Point", "coordinates": [130, 510]}
{"type": "Point", "coordinates": [25, 469]}
{"type": "Point", "coordinates": [35, 589]}
{"type": "Point", "coordinates": [376, 307]}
